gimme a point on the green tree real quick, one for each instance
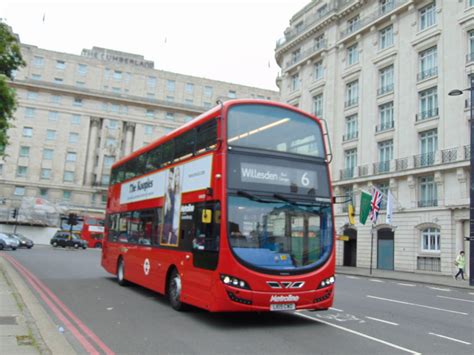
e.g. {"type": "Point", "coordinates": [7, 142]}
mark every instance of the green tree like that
{"type": "Point", "coordinates": [10, 60]}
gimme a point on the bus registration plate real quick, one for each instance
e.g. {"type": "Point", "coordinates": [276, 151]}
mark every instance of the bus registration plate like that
{"type": "Point", "coordinates": [283, 307]}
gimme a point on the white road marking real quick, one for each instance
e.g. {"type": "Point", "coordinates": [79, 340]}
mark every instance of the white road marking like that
{"type": "Point", "coordinates": [353, 277]}
{"type": "Point", "coordinates": [454, 298]}
{"type": "Point", "coordinates": [418, 305]}
{"type": "Point", "coordinates": [376, 280]}
{"type": "Point", "coordinates": [381, 320]}
{"type": "Point", "coordinates": [449, 338]}
{"type": "Point", "coordinates": [402, 284]}
{"type": "Point", "coordinates": [336, 309]}
{"type": "Point", "coordinates": [471, 293]}
{"type": "Point", "coordinates": [359, 334]}
{"type": "Point", "coordinates": [440, 289]}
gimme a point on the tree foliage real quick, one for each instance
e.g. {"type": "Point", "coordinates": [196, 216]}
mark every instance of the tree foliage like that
{"type": "Point", "coordinates": [10, 60]}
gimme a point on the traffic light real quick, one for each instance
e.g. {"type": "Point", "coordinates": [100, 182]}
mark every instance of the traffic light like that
{"type": "Point", "coordinates": [72, 219]}
{"type": "Point", "coordinates": [351, 214]}
{"type": "Point", "coordinates": [15, 213]}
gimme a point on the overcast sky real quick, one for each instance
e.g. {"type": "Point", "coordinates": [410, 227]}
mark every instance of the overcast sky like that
{"type": "Point", "coordinates": [228, 40]}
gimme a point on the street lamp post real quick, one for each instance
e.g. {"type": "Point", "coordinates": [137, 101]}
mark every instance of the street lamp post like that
{"type": "Point", "coordinates": [458, 92]}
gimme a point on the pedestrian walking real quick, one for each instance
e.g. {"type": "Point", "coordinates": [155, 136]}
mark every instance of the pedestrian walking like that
{"type": "Point", "coordinates": [460, 262]}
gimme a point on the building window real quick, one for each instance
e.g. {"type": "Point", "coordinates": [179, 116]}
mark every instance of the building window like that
{"type": "Point", "coordinates": [30, 112]}
{"type": "Point", "coordinates": [232, 94]}
{"type": "Point", "coordinates": [19, 191]}
{"type": "Point", "coordinates": [348, 195]}
{"type": "Point", "coordinates": [77, 102]}
{"type": "Point", "coordinates": [32, 95]}
{"type": "Point", "coordinates": [38, 61]}
{"type": "Point", "coordinates": [45, 174]}
{"type": "Point", "coordinates": [60, 64]}
{"type": "Point", "coordinates": [75, 119]}
{"type": "Point", "coordinates": [27, 132]}
{"type": "Point", "coordinates": [170, 85]}
{"type": "Point", "coordinates": [111, 142]}
{"type": "Point", "coordinates": [430, 240]}
{"type": "Point", "coordinates": [428, 104]}
{"type": "Point", "coordinates": [189, 88]}
{"type": "Point", "coordinates": [50, 134]}
{"type": "Point", "coordinates": [71, 156]}
{"type": "Point", "coordinates": [428, 148]}
{"type": "Point", "coordinates": [116, 90]}
{"type": "Point", "coordinates": [35, 76]}
{"type": "Point", "coordinates": [68, 176]}
{"type": "Point", "coordinates": [352, 55]}
{"type": "Point", "coordinates": [150, 113]}
{"type": "Point", "coordinates": [385, 156]}
{"type": "Point", "coordinates": [318, 42]}
{"type": "Point", "coordinates": [21, 171]}
{"type": "Point", "coordinates": [385, 80]}
{"type": "Point", "coordinates": [352, 93]}
{"type": "Point", "coordinates": [105, 180]}
{"type": "Point", "coordinates": [24, 152]}
{"type": "Point", "coordinates": [295, 82]}
{"type": "Point", "coordinates": [189, 101]}
{"type": "Point", "coordinates": [53, 116]}
{"type": "Point", "coordinates": [428, 63]}
{"type": "Point", "coordinates": [385, 117]}
{"type": "Point", "coordinates": [48, 154]}
{"type": "Point", "coordinates": [208, 91]}
{"type": "Point", "coordinates": [43, 193]}
{"type": "Point", "coordinates": [108, 161]}
{"type": "Point", "coordinates": [386, 37]}
{"type": "Point", "coordinates": [318, 70]}
{"type": "Point", "coordinates": [470, 55]}
{"type": "Point", "coordinates": [427, 16]}
{"type": "Point", "coordinates": [318, 105]}
{"type": "Point", "coordinates": [117, 75]}
{"type": "Point", "coordinates": [58, 80]}
{"type": "Point", "coordinates": [148, 130]}
{"type": "Point", "coordinates": [295, 56]}
{"type": "Point", "coordinates": [151, 82]}
{"type": "Point", "coordinates": [353, 24]}
{"type": "Point", "coordinates": [206, 104]}
{"type": "Point", "coordinates": [169, 98]}
{"type": "Point", "coordinates": [55, 99]}
{"type": "Point", "coordinates": [386, 6]}
{"type": "Point", "coordinates": [67, 195]}
{"type": "Point", "coordinates": [383, 188]}
{"type": "Point", "coordinates": [82, 69]}
{"type": "Point", "coordinates": [350, 162]}
{"type": "Point", "coordinates": [351, 128]}
{"type": "Point", "coordinates": [73, 137]}
{"type": "Point", "coordinates": [470, 3]}
{"type": "Point", "coordinates": [169, 116]}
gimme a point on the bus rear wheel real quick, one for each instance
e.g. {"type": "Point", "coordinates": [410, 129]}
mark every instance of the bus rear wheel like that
{"type": "Point", "coordinates": [174, 291]}
{"type": "Point", "coordinates": [121, 273]}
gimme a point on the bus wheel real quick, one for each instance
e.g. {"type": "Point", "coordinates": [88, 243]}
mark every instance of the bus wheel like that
{"type": "Point", "coordinates": [121, 273]}
{"type": "Point", "coordinates": [174, 291]}
{"type": "Point", "coordinates": [98, 245]}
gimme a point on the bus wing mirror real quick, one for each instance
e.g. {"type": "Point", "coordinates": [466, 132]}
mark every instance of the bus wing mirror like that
{"type": "Point", "coordinates": [206, 216]}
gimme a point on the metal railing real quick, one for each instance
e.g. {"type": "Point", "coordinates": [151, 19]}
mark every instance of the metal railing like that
{"type": "Point", "coordinates": [428, 263]}
{"type": "Point", "coordinates": [423, 115]}
{"type": "Point", "coordinates": [385, 89]}
{"type": "Point", "coordinates": [427, 203]}
{"type": "Point", "coordinates": [363, 170]}
{"type": "Point", "coordinates": [449, 155]}
{"type": "Point", "coordinates": [381, 167]}
{"type": "Point", "coordinates": [307, 53]}
{"type": "Point", "coordinates": [351, 102]}
{"type": "Point", "coordinates": [427, 73]}
{"type": "Point", "coordinates": [470, 57]}
{"type": "Point", "coordinates": [423, 160]}
{"type": "Point", "coordinates": [467, 152]}
{"type": "Point", "coordinates": [347, 173]}
{"type": "Point", "coordinates": [401, 164]}
{"type": "Point", "coordinates": [349, 136]}
{"type": "Point", "coordinates": [384, 126]}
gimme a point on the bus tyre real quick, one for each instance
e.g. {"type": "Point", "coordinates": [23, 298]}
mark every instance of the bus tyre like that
{"type": "Point", "coordinates": [121, 273]}
{"type": "Point", "coordinates": [98, 245]}
{"type": "Point", "coordinates": [174, 291]}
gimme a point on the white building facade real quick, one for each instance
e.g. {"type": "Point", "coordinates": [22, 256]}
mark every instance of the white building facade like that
{"type": "Point", "coordinates": [78, 114]}
{"type": "Point", "coordinates": [379, 72]}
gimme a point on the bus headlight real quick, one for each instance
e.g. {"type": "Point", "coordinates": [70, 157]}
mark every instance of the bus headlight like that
{"type": "Point", "coordinates": [327, 282]}
{"type": "Point", "coordinates": [234, 281]}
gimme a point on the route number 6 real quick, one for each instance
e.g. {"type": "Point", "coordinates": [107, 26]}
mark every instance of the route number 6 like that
{"type": "Point", "coordinates": [305, 180]}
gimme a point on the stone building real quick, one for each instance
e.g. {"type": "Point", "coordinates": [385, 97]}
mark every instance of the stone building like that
{"type": "Point", "coordinates": [77, 114]}
{"type": "Point", "coordinates": [379, 72]}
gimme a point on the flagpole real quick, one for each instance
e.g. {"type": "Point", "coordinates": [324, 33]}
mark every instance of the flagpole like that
{"type": "Point", "coordinates": [371, 246]}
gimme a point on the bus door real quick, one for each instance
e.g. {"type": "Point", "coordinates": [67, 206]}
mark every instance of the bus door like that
{"type": "Point", "coordinates": [200, 228]}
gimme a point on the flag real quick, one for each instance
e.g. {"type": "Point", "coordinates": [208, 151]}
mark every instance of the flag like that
{"type": "Point", "coordinates": [388, 218]}
{"type": "Point", "coordinates": [365, 199]}
{"type": "Point", "coordinates": [351, 214]}
{"type": "Point", "coordinates": [375, 204]}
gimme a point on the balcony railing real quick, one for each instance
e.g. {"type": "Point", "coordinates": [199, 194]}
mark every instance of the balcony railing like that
{"type": "Point", "coordinates": [423, 160]}
{"type": "Point", "coordinates": [351, 102]}
{"type": "Point", "coordinates": [349, 136]}
{"type": "Point", "coordinates": [382, 167]}
{"type": "Point", "coordinates": [385, 89]}
{"type": "Point", "coordinates": [382, 11]}
{"type": "Point", "coordinates": [347, 173]}
{"type": "Point", "coordinates": [307, 53]}
{"type": "Point", "coordinates": [428, 73]}
{"type": "Point", "coordinates": [449, 155]}
{"type": "Point", "coordinates": [427, 203]}
{"type": "Point", "coordinates": [423, 115]}
{"type": "Point", "coordinates": [470, 57]}
{"type": "Point", "coordinates": [467, 152]}
{"type": "Point", "coordinates": [384, 126]}
{"type": "Point", "coordinates": [363, 170]}
{"type": "Point", "coordinates": [401, 164]}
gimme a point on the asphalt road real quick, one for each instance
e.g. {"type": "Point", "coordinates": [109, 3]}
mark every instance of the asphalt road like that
{"type": "Point", "coordinates": [370, 316]}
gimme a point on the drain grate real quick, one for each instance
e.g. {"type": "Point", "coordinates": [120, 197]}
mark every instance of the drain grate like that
{"type": "Point", "coordinates": [8, 320]}
{"type": "Point", "coordinates": [24, 340]}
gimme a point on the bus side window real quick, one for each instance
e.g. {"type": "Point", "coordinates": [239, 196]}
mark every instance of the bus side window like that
{"type": "Point", "coordinates": [157, 226]}
{"type": "Point", "coordinates": [207, 222]}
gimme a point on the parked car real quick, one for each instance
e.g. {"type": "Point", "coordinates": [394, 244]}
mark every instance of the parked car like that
{"type": "Point", "coordinates": [24, 241]}
{"type": "Point", "coordinates": [8, 242]}
{"type": "Point", "coordinates": [66, 239]}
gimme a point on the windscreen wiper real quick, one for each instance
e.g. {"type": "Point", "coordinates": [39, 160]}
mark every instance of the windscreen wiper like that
{"type": "Point", "coordinates": [284, 199]}
{"type": "Point", "coordinates": [251, 197]}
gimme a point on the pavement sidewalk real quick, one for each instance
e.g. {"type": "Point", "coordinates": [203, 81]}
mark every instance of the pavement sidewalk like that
{"type": "Point", "coordinates": [426, 278]}
{"type": "Point", "coordinates": [25, 327]}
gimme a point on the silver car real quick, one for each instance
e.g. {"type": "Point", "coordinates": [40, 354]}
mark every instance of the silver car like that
{"type": "Point", "coordinates": [8, 242]}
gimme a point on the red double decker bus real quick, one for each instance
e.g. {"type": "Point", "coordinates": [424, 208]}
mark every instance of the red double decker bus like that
{"type": "Point", "coordinates": [89, 228]}
{"type": "Point", "coordinates": [230, 212]}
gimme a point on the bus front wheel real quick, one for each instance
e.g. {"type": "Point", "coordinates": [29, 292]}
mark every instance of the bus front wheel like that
{"type": "Point", "coordinates": [174, 291]}
{"type": "Point", "coordinates": [121, 273]}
